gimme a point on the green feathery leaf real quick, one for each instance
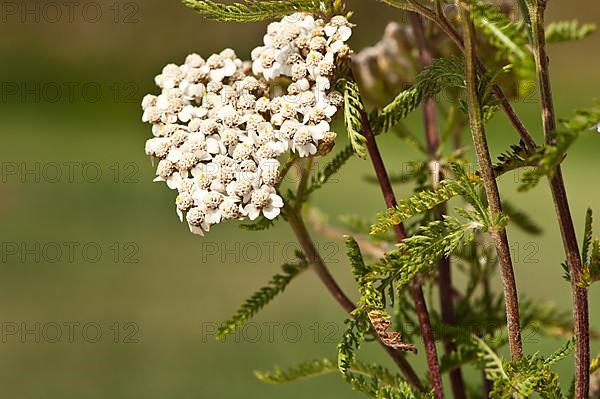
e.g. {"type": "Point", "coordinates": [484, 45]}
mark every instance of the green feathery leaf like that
{"type": "Point", "coordinates": [418, 203]}
{"type": "Point", "coordinates": [500, 31]}
{"type": "Point", "coordinates": [429, 199]}
{"type": "Point", "coordinates": [443, 73]}
{"type": "Point", "coordinates": [516, 157]}
{"type": "Point", "coordinates": [594, 262]}
{"type": "Point", "coordinates": [421, 251]}
{"type": "Point", "coordinates": [354, 112]}
{"type": "Point", "coordinates": [261, 224]}
{"type": "Point", "coordinates": [561, 353]}
{"type": "Point", "coordinates": [375, 388]}
{"type": "Point", "coordinates": [260, 299]}
{"type": "Point", "coordinates": [357, 326]}
{"type": "Point", "coordinates": [546, 320]}
{"type": "Point", "coordinates": [584, 120]}
{"type": "Point", "coordinates": [520, 219]}
{"type": "Point", "coordinates": [595, 364]}
{"type": "Point", "coordinates": [251, 10]}
{"type": "Point", "coordinates": [566, 31]}
{"type": "Point", "coordinates": [587, 236]}
{"type": "Point", "coordinates": [530, 374]}
{"type": "Point", "coordinates": [303, 370]}
{"type": "Point", "coordinates": [546, 160]}
{"type": "Point", "coordinates": [508, 37]}
{"type": "Point", "coordinates": [468, 350]}
{"type": "Point", "coordinates": [319, 367]}
{"type": "Point", "coordinates": [492, 363]}
{"type": "Point", "coordinates": [370, 314]}
{"type": "Point", "coordinates": [543, 160]}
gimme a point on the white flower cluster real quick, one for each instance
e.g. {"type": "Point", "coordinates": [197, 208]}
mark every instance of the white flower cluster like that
{"type": "Point", "coordinates": [218, 134]}
{"type": "Point", "coordinates": [304, 50]}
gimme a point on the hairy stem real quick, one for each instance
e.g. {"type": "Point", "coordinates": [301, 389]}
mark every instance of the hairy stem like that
{"type": "Point", "coordinates": [432, 138]}
{"type": "Point", "coordinates": [561, 204]}
{"type": "Point", "coordinates": [318, 265]}
{"type": "Point", "coordinates": [415, 288]}
{"type": "Point", "coordinates": [491, 188]}
{"type": "Point", "coordinates": [303, 182]}
{"type": "Point", "coordinates": [442, 22]}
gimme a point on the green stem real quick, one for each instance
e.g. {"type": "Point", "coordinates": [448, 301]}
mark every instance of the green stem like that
{"type": "Point", "coordinates": [415, 287]}
{"type": "Point", "coordinates": [317, 263]}
{"type": "Point", "coordinates": [303, 182]}
{"type": "Point", "coordinates": [447, 28]}
{"type": "Point", "coordinates": [432, 138]}
{"type": "Point", "coordinates": [491, 188]}
{"type": "Point", "coordinates": [561, 204]}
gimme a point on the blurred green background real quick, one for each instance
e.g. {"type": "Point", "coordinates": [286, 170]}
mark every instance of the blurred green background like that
{"type": "Point", "coordinates": [103, 293]}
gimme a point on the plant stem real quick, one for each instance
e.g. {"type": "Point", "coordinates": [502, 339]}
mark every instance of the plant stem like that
{"type": "Point", "coordinates": [491, 188]}
{"type": "Point", "coordinates": [443, 23]}
{"type": "Point", "coordinates": [303, 181]}
{"type": "Point", "coordinates": [561, 204]}
{"type": "Point", "coordinates": [316, 261]}
{"type": "Point", "coordinates": [432, 138]}
{"type": "Point", "coordinates": [415, 287]}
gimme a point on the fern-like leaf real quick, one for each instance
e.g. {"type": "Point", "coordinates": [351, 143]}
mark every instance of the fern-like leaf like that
{"type": "Point", "coordinates": [492, 363]}
{"type": "Point", "coordinates": [508, 37]}
{"type": "Point", "coordinates": [500, 31]}
{"type": "Point", "coordinates": [418, 203]}
{"type": "Point", "coordinates": [260, 299]}
{"type": "Point", "coordinates": [595, 364]}
{"type": "Point", "coordinates": [354, 112]}
{"type": "Point", "coordinates": [319, 367]}
{"type": "Point", "coordinates": [516, 157]}
{"type": "Point", "coordinates": [443, 73]}
{"type": "Point", "coordinates": [421, 251]}
{"type": "Point", "coordinates": [546, 160]}
{"type": "Point", "coordinates": [428, 199]}
{"type": "Point", "coordinates": [587, 236]}
{"type": "Point", "coordinates": [520, 219]}
{"type": "Point", "coordinates": [251, 10]}
{"type": "Point", "coordinates": [584, 120]}
{"type": "Point", "coordinates": [303, 370]}
{"type": "Point", "coordinates": [566, 31]}
{"type": "Point", "coordinates": [357, 326]}
{"type": "Point", "coordinates": [261, 224]}
{"type": "Point", "coordinates": [561, 353]}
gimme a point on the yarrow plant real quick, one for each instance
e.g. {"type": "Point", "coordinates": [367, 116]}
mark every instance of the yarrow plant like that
{"type": "Point", "coordinates": [227, 131]}
{"type": "Point", "coordinates": [219, 132]}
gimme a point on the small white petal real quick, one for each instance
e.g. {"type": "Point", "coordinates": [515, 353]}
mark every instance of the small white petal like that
{"type": "Point", "coordinates": [217, 75]}
{"type": "Point", "coordinates": [229, 68]}
{"type": "Point", "coordinates": [252, 212]}
{"type": "Point", "coordinates": [174, 181]}
{"type": "Point", "coordinates": [345, 32]}
{"type": "Point", "coordinates": [213, 216]}
{"type": "Point", "coordinates": [336, 46]}
{"type": "Point", "coordinates": [276, 200]}
{"type": "Point", "coordinates": [330, 30]}
{"type": "Point", "coordinates": [212, 145]}
{"type": "Point", "coordinates": [271, 213]}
